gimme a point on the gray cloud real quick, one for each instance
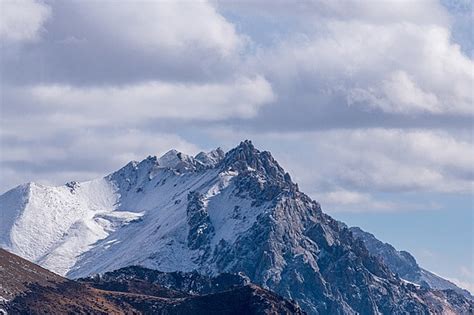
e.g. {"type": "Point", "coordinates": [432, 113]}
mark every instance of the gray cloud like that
{"type": "Point", "coordinates": [94, 43]}
{"type": "Point", "coordinates": [359, 64]}
{"type": "Point", "coordinates": [396, 69]}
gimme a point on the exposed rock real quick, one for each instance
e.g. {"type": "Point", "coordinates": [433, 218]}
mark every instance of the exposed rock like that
{"type": "Point", "coordinates": [200, 226]}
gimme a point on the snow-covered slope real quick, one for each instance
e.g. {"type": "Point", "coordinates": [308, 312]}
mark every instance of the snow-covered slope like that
{"type": "Point", "coordinates": [53, 225]}
{"type": "Point", "coordinates": [174, 224]}
{"type": "Point", "coordinates": [213, 213]}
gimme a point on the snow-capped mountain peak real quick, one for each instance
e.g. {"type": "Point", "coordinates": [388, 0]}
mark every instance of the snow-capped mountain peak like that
{"type": "Point", "coordinates": [237, 212]}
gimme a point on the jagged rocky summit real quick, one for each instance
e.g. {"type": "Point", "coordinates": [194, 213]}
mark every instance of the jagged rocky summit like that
{"type": "Point", "coordinates": [214, 213]}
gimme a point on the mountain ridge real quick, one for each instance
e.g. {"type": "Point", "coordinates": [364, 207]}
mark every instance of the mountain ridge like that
{"type": "Point", "coordinates": [404, 264]}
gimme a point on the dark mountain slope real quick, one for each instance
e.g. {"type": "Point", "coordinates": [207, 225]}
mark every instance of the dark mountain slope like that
{"type": "Point", "coordinates": [30, 289]}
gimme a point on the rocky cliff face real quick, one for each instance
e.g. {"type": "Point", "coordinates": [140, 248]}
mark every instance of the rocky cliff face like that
{"type": "Point", "coordinates": [233, 213]}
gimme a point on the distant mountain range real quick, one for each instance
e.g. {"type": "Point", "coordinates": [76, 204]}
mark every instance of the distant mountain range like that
{"type": "Point", "coordinates": [218, 213]}
{"type": "Point", "coordinates": [405, 265]}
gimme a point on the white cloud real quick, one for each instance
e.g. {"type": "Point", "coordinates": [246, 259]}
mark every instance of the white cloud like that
{"type": "Point", "coordinates": [345, 197]}
{"type": "Point", "coordinates": [22, 20]}
{"type": "Point", "coordinates": [351, 201]}
{"type": "Point", "coordinates": [134, 103]}
{"type": "Point", "coordinates": [401, 96]}
{"type": "Point", "coordinates": [150, 26]}
{"type": "Point", "coordinates": [384, 159]}
{"type": "Point", "coordinates": [342, 200]}
{"type": "Point", "coordinates": [397, 66]}
{"type": "Point", "coordinates": [125, 42]}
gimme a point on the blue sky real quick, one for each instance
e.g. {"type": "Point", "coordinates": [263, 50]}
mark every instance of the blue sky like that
{"type": "Point", "coordinates": [368, 104]}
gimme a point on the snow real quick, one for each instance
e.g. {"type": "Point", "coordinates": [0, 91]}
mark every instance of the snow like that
{"type": "Point", "coordinates": [160, 238]}
{"type": "Point", "coordinates": [53, 225]}
{"type": "Point", "coordinates": [170, 159]}
{"type": "Point", "coordinates": [210, 158]}
{"type": "Point", "coordinates": [81, 228]}
{"type": "Point", "coordinates": [12, 202]}
{"type": "Point", "coordinates": [410, 282]}
{"type": "Point", "coordinates": [231, 215]}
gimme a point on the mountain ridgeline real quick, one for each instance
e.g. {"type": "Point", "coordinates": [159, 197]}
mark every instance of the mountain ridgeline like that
{"type": "Point", "coordinates": [405, 265]}
{"type": "Point", "coordinates": [236, 213]}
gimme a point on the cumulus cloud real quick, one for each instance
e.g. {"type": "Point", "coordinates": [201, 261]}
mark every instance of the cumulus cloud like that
{"type": "Point", "coordinates": [388, 160]}
{"type": "Point", "coordinates": [401, 96]}
{"type": "Point", "coordinates": [395, 68]}
{"type": "Point", "coordinates": [22, 20]}
{"type": "Point", "coordinates": [110, 42]}
{"type": "Point", "coordinates": [135, 103]}
{"type": "Point", "coordinates": [151, 26]}
{"type": "Point", "coordinates": [355, 64]}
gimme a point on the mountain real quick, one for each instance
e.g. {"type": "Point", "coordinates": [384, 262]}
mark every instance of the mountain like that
{"type": "Point", "coordinates": [404, 264]}
{"type": "Point", "coordinates": [29, 289]}
{"type": "Point", "coordinates": [16, 273]}
{"type": "Point", "coordinates": [234, 212]}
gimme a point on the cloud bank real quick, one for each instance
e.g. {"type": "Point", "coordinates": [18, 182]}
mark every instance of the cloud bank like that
{"type": "Point", "coordinates": [380, 93]}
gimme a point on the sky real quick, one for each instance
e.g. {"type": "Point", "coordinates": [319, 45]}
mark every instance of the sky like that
{"type": "Point", "coordinates": [368, 104]}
